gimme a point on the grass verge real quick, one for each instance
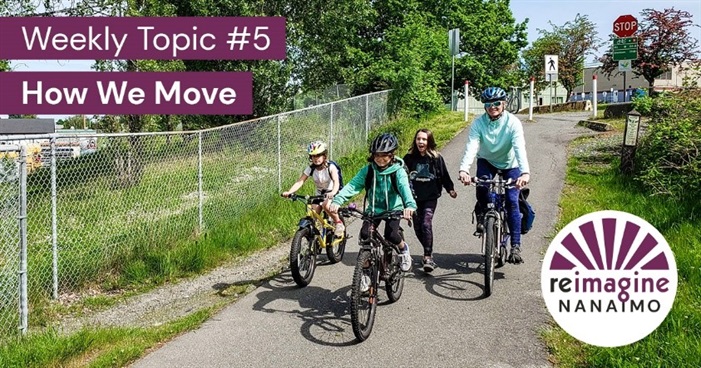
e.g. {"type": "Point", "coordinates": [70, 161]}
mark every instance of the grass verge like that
{"type": "Point", "coordinates": [593, 183]}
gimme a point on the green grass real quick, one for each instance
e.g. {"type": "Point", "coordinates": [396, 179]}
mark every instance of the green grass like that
{"type": "Point", "coordinates": [93, 347]}
{"type": "Point", "coordinates": [593, 183]}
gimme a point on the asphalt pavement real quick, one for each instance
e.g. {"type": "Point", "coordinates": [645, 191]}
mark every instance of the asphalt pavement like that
{"type": "Point", "coordinates": [442, 318]}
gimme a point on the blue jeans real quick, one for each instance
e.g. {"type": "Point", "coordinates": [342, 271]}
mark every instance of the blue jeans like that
{"type": "Point", "coordinates": [513, 215]}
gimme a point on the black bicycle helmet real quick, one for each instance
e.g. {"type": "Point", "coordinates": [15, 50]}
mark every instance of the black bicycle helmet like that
{"type": "Point", "coordinates": [492, 94]}
{"type": "Point", "coordinates": [384, 143]}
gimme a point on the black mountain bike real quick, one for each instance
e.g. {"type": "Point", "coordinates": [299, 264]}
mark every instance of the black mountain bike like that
{"type": "Point", "coordinates": [378, 261]}
{"type": "Point", "coordinates": [495, 236]}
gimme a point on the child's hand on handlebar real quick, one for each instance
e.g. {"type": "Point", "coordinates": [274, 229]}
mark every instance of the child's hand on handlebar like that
{"type": "Point", "coordinates": [287, 194]}
{"type": "Point", "coordinates": [408, 212]}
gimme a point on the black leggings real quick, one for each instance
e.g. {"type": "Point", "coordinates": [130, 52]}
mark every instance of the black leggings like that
{"type": "Point", "coordinates": [423, 224]}
{"type": "Point", "coordinates": [392, 231]}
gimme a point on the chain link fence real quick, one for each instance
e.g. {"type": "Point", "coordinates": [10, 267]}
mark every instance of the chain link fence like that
{"type": "Point", "coordinates": [96, 201]}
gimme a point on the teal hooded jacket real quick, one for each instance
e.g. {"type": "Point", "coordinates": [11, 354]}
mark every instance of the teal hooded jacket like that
{"type": "Point", "coordinates": [381, 196]}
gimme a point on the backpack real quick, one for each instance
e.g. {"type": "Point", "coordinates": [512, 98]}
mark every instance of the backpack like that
{"type": "Point", "coordinates": [340, 176]}
{"type": "Point", "coordinates": [527, 213]}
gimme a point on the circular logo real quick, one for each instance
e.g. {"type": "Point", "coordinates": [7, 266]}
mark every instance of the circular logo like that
{"type": "Point", "coordinates": [609, 278]}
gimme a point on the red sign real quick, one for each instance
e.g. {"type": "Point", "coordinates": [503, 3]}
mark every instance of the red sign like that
{"type": "Point", "coordinates": [625, 26]}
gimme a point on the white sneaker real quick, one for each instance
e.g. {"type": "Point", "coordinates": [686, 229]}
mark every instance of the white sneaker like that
{"type": "Point", "coordinates": [340, 230]}
{"type": "Point", "coordinates": [405, 259]}
{"type": "Point", "coordinates": [365, 283]}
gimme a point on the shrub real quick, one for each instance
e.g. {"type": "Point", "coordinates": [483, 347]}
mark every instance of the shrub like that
{"type": "Point", "coordinates": [643, 105]}
{"type": "Point", "coordinates": [668, 160]}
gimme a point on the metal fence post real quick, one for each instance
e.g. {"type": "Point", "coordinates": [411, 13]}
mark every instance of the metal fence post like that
{"type": "Point", "coordinates": [331, 133]}
{"type": "Point", "coordinates": [54, 220]}
{"type": "Point", "coordinates": [199, 180]}
{"type": "Point", "coordinates": [23, 306]}
{"type": "Point", "coordinates": [367, 117]}
{"type": "Point", "coordinates": [279, 156]}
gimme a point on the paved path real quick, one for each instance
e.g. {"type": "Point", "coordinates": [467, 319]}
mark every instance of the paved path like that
{"type": "Point", "coordinates": [441, 319]}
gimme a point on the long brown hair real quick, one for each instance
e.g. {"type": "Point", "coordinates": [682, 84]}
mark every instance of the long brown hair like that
{"type": "Point", "coordinates": [431, 142]}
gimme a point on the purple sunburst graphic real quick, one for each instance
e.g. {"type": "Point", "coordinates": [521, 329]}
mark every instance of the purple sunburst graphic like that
{"type": "Point", "coordinates": [608, 228]}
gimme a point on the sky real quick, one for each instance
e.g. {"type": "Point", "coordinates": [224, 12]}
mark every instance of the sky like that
{"type": "Point", "coordinates": [539, 12]}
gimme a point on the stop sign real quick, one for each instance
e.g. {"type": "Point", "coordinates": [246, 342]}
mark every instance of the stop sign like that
{"type": "Point", "coordinates": [625, 25]}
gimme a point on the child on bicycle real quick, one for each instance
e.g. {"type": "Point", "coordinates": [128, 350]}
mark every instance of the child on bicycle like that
{"type": "Point", "coordinates": [326, 179]}
{"type": "Point", "coordinates": [382, 194]}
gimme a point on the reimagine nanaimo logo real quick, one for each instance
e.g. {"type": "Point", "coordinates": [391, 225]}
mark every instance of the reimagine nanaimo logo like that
{"type": "Point", "coordinates": [609, 278]}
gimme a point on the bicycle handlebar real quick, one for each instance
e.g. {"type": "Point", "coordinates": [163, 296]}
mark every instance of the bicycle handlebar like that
{"type": "Point", "coordinates": [509, 183]}
{"type": "Point", "coordinates": [306, 198]}
{"type": "Point", "coordinates": [355, 212]}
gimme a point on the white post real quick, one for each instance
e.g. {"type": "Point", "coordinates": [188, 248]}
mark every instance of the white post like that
{"type": "Point", "coordinates": [331, 133]}
{"type": "Point", "coordinates": [530, 103]}
{"type": "Point", "coordinates": [452, 87]}
{"type": "Point", "coordinates": [467, 96]}
{"type": "Point", "coordinates": [594, 95]}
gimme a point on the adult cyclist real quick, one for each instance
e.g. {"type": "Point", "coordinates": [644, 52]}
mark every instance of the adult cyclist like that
{"type": "Point", "coordinates": [496, 139]}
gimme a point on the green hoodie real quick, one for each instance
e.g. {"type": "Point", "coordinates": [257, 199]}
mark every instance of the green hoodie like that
{"type": "Point", "coordinates": [381, 196]}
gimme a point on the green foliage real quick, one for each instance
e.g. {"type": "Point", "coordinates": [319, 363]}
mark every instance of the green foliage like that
{"type": "Point", "coordinates": [410, 65]}
{"type": "Point", "coordinates": [668, 159]}
{"type": "Point", "coordinates": [643, 105]}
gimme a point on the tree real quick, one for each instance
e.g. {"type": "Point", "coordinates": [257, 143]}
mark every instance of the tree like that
{"type": "Point", "coordinates": [411, 61]}
{"type": "Point", "coordinates": [664, 42]}
{"type": "Point", "coordinates": [74, 122]}
{"type": "Point", "coordinates": [490, 38]}
{"type": "Point", "coordinates": [572, 42]}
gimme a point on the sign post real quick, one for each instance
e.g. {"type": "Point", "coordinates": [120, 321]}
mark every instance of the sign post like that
{"type": "Point", "coordinates": [551, 75]}
{"type": "Point", "coordinates": [625, 48]}
{"type": "Point", "coordinates": [454, 46]}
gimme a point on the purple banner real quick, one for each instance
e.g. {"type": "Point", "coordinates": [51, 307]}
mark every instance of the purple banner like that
{"type": "Point", "coordinates": [120, 93]}
{"type": "Point", "coordinates": [142, 38]}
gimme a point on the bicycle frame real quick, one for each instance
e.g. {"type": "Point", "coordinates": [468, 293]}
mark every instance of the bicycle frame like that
{"type": "Point", "coordinates": [317, 223]}
{"type": "Point", "coordinates": [381, 250]}
{"type": "Point", "coordinates": [378, 260]}
{"type": "Point", "coordinates": [496, 207]}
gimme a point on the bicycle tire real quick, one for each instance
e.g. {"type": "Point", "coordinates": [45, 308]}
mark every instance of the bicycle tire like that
{"type": "Point", "coordinates": [335, 253]}
{"type": "Point", "coordinates": [395, 281]}
{"type": "Point", "coordinates": [491, 244]}
{"type": "Point", "coordinates": [364, 302]}
{"type": "Point", "coordinates": [303, 258]}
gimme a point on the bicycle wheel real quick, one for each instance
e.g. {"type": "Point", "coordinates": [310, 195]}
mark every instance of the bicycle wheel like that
{"type": "Point", "coordinates": [335, 251]}
{"type": "Point", "coordinates": [395, 282]}
{"type": "Point", "coordinates": [491, 245]}
{"type": "Point", "coordinates": [364, 295]}
{"type": "Point", "coordinates": [303, 257]}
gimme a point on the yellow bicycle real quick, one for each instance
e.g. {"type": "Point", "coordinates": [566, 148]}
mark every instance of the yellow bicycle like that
{"type": "Point", "coordinates": [314, 233]}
